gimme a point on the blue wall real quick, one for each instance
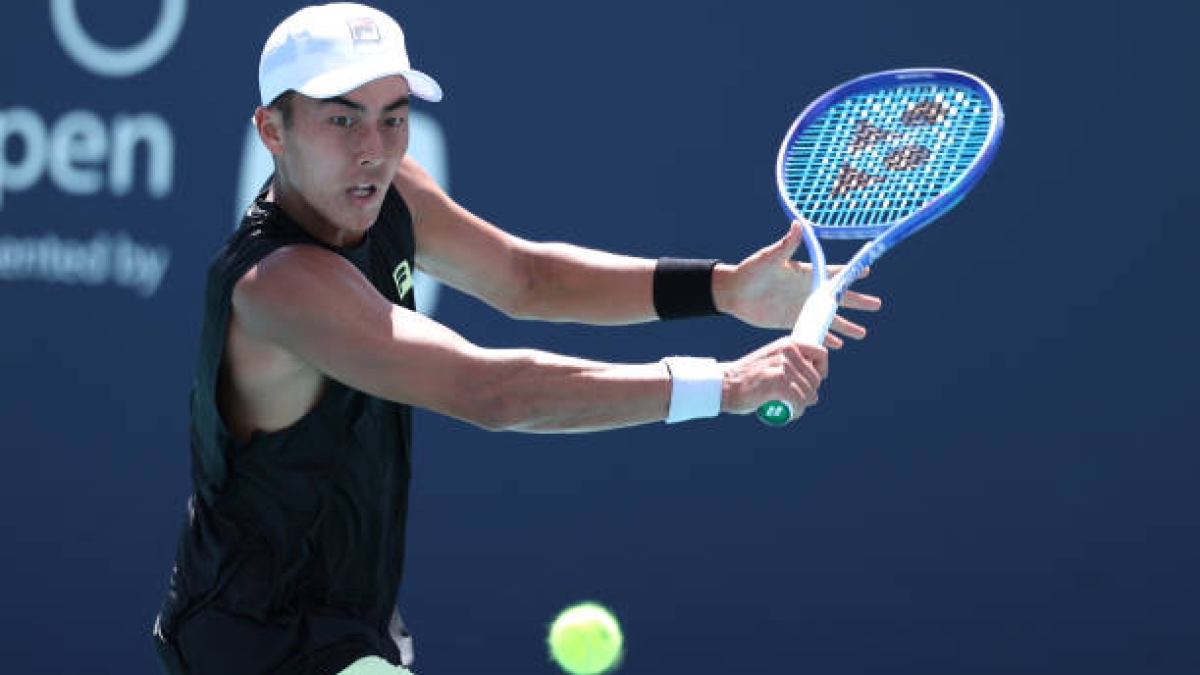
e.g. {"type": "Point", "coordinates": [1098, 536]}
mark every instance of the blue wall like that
{"type": "Point", "coordinates": [1000, 480]}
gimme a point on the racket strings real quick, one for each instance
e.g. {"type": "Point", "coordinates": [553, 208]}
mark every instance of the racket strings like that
{"type": "Point", "coordinates": [878, 156]}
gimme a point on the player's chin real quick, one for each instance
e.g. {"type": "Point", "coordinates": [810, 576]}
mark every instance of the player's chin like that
{"type": "Point", "coordinates": [359, 213]}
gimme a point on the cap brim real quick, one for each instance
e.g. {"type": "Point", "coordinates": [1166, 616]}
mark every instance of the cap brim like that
{"type": "Point", "coordinates": [342, 80]}
{"type": "Point", "coordinates": [423, 85]}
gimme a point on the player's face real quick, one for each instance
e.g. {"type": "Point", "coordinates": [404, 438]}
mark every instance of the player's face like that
{"type": "Point", "coordinates": [339, 156]}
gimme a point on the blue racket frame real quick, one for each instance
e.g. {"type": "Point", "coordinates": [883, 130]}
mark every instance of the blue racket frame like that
{"type": "Point", "coordinates": [892, 232]}
{"type": "Point", "coordinates": [822, 302]}
{"type": "Point", "coordinates": [882, 80]}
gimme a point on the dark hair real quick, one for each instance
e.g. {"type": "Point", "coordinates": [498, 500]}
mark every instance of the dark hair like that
{"type": "Point", "coordinates": [283, 103]}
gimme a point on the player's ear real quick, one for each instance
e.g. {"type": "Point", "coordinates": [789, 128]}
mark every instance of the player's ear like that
{"type": "Point", "coordinates": [269, 122]}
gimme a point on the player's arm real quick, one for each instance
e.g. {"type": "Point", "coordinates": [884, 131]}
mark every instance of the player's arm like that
{"type": "Point", "coordinates": [564, 282]}
{"type": "Point", "coordinates": [522, 278]}
{"type": "Point", "coordinates": [316, 305]}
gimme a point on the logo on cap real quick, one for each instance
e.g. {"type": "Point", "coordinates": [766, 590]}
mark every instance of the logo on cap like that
{"type": "Point", "coordinates": [365, 31]}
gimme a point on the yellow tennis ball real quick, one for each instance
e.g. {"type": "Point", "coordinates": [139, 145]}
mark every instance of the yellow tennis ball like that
{"type": "Point", "coordinates": [585, 639]}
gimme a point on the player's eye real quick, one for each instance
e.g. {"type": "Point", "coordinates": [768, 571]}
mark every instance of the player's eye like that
{"type": "Point", "coordinates": [341, 120]}
{"type": "Point", "coordinates": [395, 122]}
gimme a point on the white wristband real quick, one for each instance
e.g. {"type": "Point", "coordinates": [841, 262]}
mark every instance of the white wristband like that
{"type": "Point", "coordinates": [695, 387]}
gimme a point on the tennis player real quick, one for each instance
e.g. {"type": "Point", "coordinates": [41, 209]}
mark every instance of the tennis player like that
{"type": "Point", "coordinates": [312, 356]}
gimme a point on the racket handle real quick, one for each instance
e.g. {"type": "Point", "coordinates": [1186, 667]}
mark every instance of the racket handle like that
{"type": "Point", "coordinates": [810, 329]}
{"type": "Point", "coordinates": [815, 317]}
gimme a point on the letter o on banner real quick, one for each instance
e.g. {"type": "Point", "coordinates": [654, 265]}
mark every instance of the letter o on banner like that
{"type": "Point", "coordinates": [117, 61]}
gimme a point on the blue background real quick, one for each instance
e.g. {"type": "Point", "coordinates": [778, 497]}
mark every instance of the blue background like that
{"type": "Point", "coordinates": [1001, 479]}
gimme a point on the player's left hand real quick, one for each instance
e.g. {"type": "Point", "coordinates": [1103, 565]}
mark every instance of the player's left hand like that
{"type": "Point", "coordinates": [768, 288]}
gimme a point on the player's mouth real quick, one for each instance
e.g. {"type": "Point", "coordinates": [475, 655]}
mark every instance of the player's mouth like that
{"type": "Point", "coordinates": [364, 191]}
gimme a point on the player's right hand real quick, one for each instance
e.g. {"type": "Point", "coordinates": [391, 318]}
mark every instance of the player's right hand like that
{"type": "Point", "coordinates": [783, 370]}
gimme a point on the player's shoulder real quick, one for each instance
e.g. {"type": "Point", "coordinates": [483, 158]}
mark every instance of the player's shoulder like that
{"type": "Point", "coordinates": [410, 174]}
{"type": "Point", "coordinates": [293, 272]}
{"type": "Point", "coordinates": [417, 186]}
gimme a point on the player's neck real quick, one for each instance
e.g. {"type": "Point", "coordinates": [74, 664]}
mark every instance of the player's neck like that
{"type": "Point", "coordinates": [300, 209]}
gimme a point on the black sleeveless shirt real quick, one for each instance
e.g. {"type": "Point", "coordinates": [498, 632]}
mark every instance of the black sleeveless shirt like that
{"type": "Point", "coordinates": [292, 553]}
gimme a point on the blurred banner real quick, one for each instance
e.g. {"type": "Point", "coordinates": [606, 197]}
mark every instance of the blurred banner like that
{"type": "Point", "coordinates": [999, 479]}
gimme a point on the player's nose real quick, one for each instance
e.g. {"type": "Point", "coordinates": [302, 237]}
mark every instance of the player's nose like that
{"type": "Point", "coordinates": [370, 147]}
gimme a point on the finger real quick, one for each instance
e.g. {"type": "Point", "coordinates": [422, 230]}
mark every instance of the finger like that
{"type": "Point", "coordinates": [791, 241]}
{"type": "Point", "coordinates": [804, 397]}
{"type": "Point", "coordinates": [862, 301]}
{"type": "Point", "coordinates": [809, 390]}
{"type": "Point", "coordinates": [803, 272]}
{"type": "Point", "coordinates": [848, 328]}
{"type": "Point", "coordinates": [811, 362]}
{"type": "Point", "coordinates": [818, 357]}
{"type": "Point", "coordinates": [803, 383]}
{"type": "Point", "coordinates": [799, 266]}
{"type": "Point", "coordinates": [834, 342]}
{"type": "Point", "coordinates": [835, 269]}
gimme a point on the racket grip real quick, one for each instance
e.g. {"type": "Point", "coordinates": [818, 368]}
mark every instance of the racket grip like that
{"type": "Point", "coordinates": [815, 317]}
{"type": "Point", "coordinates": [810, 329]}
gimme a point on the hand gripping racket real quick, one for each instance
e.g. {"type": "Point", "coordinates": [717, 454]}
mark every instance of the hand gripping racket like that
{"type": "Point", "coordinates": [878, 158]}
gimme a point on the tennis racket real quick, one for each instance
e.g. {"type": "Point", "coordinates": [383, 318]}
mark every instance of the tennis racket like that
{"type": "Point", "coordinates": [879, 158]}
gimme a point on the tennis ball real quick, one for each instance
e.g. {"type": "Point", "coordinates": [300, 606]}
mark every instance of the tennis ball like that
{"type": "Point", "coordinates": [585, 639]}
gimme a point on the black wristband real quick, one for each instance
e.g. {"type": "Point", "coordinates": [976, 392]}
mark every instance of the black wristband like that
{"type": "Point", "coordinates": [683, 288]}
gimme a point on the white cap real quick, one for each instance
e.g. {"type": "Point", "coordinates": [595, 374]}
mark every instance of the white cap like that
{"type": "Point", "coordinates": [326, 50]}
